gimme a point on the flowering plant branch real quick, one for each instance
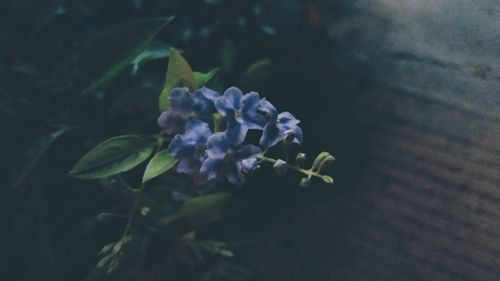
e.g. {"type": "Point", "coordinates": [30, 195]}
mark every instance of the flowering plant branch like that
{"type": "Point", "coordinates": [204, 140]}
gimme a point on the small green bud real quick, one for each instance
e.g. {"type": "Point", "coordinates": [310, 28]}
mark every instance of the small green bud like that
{"type": "Point", "coordinates": [305, 182]}
{"type": "Point", "coordinates": [327, 179]}
{"type": "Point", "coordinates": [301, 158]}
{"type": "Point", "coordinates": [322, 160]}
{"type": "Point", "coordinates": [145, 211]}
{"type": "Point", "coordinates": [218, 127]}
{"type": "Point", "coordinates": [327, 162]}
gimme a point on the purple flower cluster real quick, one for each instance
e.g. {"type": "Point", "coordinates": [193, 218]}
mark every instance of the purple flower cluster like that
{"type": "Point", "coordinates": [209, 156]}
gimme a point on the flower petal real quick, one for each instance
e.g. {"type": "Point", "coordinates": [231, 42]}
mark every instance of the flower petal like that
{"type": "Point", "coordinates": [181, 147]}
{"type": "Point", "coordinates": [209, 93]}
{"type": "Point", "coordinates": [217, 145]}
{"type": "Point", "coordinates": [189, 166]}
{"type": "Point", "coordinates": [233, 97]}
{"type": "Point", "coordinates": [197, 131]}
{"type": "Point", "coordinates": [171, 122]}
{"type": "Point", "coordinates": [271, 135]}
{"type": "Point", "coordinates": [225, 109]}
{"type": "Point", "coordinates": [266, 107]}
{"type": "Point", "coordinates": [250, 101]}
{"type": "Point", "coordinates": [253, 120]}
{"type": "Point", "coordinates": [210, 167]}
{"type": "Point", "coordinates": [181, 99]}
{"type": "Point", "coordinates": [234, 174]}
{"type": "Point", "coordinates": [298, 135]}
{"type": "Point", "coordinates": [236, 132]}
{"type": "Point", "coordinates": [247, 151]}
{"type": "Point", "coordinates": [287, 119]}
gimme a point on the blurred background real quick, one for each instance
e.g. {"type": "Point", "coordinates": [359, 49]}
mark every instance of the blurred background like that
{"type": "Point", "coordinates": [405, 95]}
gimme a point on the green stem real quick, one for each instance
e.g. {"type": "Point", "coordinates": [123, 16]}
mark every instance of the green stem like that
{"type": "Point", "coordinates": [140, 192]}
{"type": "Point", "coordinates": [308, 173]}
{"type": "Point", "coordinates": [133, 211]}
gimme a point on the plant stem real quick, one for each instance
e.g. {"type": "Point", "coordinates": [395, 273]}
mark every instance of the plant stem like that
{"type": "Point", "coordinates": [308, 173]}
{"type": "Point", "coordinates": [140, 192]}
{"type": "Point", "coordinates": [133, 211]}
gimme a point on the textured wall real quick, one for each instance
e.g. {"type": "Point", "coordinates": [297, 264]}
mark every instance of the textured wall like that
{"type": "Point", "coordinates": [427, 206]}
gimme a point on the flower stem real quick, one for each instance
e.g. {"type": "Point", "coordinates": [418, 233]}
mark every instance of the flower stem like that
{"type": "Point", "coordinates": [308, 173]}
{"type": "Point", "coordinates": [140, 192]}
{"type": "Point", "coordinates": [133, 211]}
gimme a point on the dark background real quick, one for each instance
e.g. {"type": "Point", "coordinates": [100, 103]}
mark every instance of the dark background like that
{"type": "Point", "coordinates": [405, 95]}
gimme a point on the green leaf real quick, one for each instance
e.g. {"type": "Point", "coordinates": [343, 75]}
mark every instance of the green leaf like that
{"type": "Point", "coordinates": [35, 151]}
{"type": "Point", "coordinates": [200, 209]}
{"type": "Point", "coordinates": [203, 78]}
{"type": "Point", "coordinates": [228, 55]}
{"type": "Point", "coordinates": [178, 73]}
{"type": "Point", "coordinates": [113, 156]}
{"type": "Point", "coordinates": [112, 49]}
{"type": "Point", "coordinates": [256, 73]}
{"type": "Point", "coordinates": [199, 252]}
{"type": "Point", "coordinates": [155, 50]}
{"type": "Point", "coordinates": [159, 164]}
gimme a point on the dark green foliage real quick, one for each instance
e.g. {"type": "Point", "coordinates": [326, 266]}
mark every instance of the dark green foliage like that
{"type": "Point", "coordinates": [111, 50]}
{"type": "Point", "coordinates": [161, 162]}
{"type": "Point", "coordinates": [35, 151]}
{"type": "Point", "coordinates": [179, 73]}
{"type": "Point", "coordinates": [113, 156]}
{"type": "Point", "coordinates": [75, 73]}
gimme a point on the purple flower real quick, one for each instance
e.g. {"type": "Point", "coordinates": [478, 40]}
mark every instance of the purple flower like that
{"type": "Point", "coordinates": [278, 126]}
{"type": "Point", "coordinates": [228, 161]}
{"type": "Point", "coordinates": [184, 106]}
{"type": "Point", "coordinates": [240, 113]}
{"type": "Point", "coordinates": [189, 148]}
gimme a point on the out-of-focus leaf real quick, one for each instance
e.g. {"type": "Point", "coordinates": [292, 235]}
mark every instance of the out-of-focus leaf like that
{"type": "Point", "coordinates": [155, 50]}
{"type": "Point", "coordinates": [268, 29]}
{"type": "Point", "coordinates": [178, 73]}
{"type": "Point", "coordinates": [201, 251]}
{"type": "Point", "coordinates": [134, 99]}
{"type": "Point", "coordinates": [119, 190]}
{"type": "Point", "coordinates": [227, 271]}
{"type": "Point", "coordinates": [35, 151]}
{"type": "Point", "coordinates": [228, 55]}
{"type": "Point", "coordinates": [200, 209]}
{"type": "Point", "coordinates": [113, 156]}
{"type": "Point", "coordinates": [203, 78]}
{"type": "Point", "coordinates": [112, 49]}
{"type": "Point", "coordinates": [159, 164]}
{"type": "Point", "coordinates": [256, 73]}
{"type": "Point", "coordinates": [121, 260]}
{"type": "Point", "coordinates": [103, 217]}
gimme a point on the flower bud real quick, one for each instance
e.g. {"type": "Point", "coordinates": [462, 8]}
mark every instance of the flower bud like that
{"type": "Point", "coordinates": [305, 182]}
{"type": "Point", "coordinates": [300, 158]}
{"type": "Point", "coordinates": [280, 167]}
{"type": "Point", "coordinates": [288, 136]}
{"type": "Point", "coordinates": [327, 161]}
{"type": "Point", "coordinates": [327, 179]}
{"type": "Point", "coordinates": [249, 165]}
{"type": "Point", "coordinates": [322, 160]}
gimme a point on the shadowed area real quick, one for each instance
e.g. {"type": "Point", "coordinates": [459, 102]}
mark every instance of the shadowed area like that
{"type": "Point", "coordinates": [422, 85]}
